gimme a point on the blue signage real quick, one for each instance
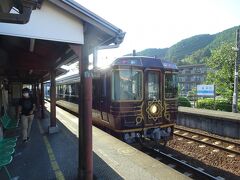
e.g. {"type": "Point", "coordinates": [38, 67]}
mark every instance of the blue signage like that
{"type": "Point", "coordinates": [205, 90]}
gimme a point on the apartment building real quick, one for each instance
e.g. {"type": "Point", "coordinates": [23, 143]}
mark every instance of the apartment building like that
{"type": "Point", "coordinates": [190, 76]}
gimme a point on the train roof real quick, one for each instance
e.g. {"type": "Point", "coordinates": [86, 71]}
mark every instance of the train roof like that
{"type": "Point", "coordinates": [141, 61]}
{"type": "Point", "coordinates": [69, 79]}
{"type": "Point", "coordinates": [144, 61]}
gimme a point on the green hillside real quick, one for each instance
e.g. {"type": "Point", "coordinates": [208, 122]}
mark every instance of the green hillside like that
{"type": "Point", "coordinates": [226, 36]}
{"type": "Point", "coordinates": [160, 53]}
{"type": "Point", "coordinates": [192, 50]}
{"type": "Point", "coordinates": [188, 46]}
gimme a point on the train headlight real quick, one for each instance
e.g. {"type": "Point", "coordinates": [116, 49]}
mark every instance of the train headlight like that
{"type": "Point", "coordinates": [153, 109]}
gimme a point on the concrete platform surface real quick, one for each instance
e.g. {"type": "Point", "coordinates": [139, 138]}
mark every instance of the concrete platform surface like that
{"type": "Point", "coordinates": [68, 105]}
{"type": "Point", "coordinates": [128, 162]}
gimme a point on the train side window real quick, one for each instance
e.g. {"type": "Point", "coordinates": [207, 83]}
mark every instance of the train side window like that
{"type": "Point", "coordinates": [96, 92]}
{"type": "Point", "coordinates": [61, 90]}
{"type": "Point", "coordinates": [104, 85]}
{"type": "Point", "coordinates": [70, 89]}
{"type": "Point", "coordinates": [171, 88]}
{"type": "Point", "coordinates": [115, 86]}
{"type": "Point", "coordinates": [67, 90]}
{"type": "Point", "coordinates": [73, 88]}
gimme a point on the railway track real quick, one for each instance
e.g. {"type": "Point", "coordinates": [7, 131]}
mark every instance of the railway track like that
{"type": "Point", "coordinates": [215, 142]}
{"type": "Point", "coordinates": [180, 165]}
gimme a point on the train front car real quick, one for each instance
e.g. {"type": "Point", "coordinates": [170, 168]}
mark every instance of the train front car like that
{"type": "Point", "coordinates": [143, 98]}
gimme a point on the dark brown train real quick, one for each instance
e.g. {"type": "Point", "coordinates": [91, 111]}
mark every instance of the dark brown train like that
{"type": "Point", "coordinates": [136, 96]}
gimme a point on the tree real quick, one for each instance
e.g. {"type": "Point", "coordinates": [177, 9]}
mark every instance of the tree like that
{"type": "Point", "coordinates": [221, 64]}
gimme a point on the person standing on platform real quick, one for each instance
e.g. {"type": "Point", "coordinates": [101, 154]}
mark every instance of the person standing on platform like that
{"type": "Point", "coordinates": [4, 96]}
{"type": "Point", "coordinates": [26, 109]}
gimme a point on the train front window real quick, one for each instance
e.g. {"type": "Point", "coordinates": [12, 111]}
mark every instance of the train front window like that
{"type": "Point", "coordinates": [153, 85]}
{"type": "Point", "coordinates": [171, 85]}
{"type": "Point", "coordinates": [127, 85]}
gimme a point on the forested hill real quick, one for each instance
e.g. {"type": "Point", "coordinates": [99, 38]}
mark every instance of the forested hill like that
{"type": "Point", "coordinates": [193, 50]}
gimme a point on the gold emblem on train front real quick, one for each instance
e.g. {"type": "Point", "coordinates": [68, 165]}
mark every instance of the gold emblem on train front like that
{"type": "Point", "coordinates": [166, 112]}
{"type": "Point", "coordinates": [154, 109]}
{"type": "Point", "coordinates": [140, 116]}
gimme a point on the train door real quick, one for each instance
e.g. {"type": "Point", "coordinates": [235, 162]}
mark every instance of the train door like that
{"type": "Point", "coordinates": [153, 96]}
{"type": "Point", "coordinates": [104, 98]}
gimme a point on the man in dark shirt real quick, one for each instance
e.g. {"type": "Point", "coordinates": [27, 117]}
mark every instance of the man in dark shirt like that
{"type": "Point", "coordinates": [26, 109]}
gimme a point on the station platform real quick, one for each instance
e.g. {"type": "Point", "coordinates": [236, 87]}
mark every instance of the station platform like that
{"type": "Point", "coordinates": [55, 156]}
{"type": "Point", "coordinates": [220, 115]}
{"type": "Point", "coordinates": [222, 123]}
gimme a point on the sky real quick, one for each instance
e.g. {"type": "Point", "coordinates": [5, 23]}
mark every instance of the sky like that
{"type": "Point", "coordinates": [162, 23]}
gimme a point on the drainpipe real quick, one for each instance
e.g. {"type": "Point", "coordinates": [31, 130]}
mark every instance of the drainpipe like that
{"type": "Point", "coordinates": [117, 41]}
{"type": "Point", "coordinates": [23, 18]}
{"type": "Point", "coordinates": [100, 48]}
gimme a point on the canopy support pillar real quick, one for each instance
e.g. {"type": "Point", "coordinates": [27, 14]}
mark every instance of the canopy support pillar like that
{"type": "Point", "coordinates": [85, 170]}
{"type": "Point", "coordinates": [53, 125]}
{"type": "Point", "coordinates": [42, 100]}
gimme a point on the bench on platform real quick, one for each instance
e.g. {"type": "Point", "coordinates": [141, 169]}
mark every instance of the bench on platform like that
{"type": "Point", "coordinates": [7, 148]}
{"type": "Point", "coordinates": [9, 123]}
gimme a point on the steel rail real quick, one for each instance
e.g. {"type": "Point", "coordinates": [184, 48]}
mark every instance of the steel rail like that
{"type": "Point", "coordinates": [208, 143]}
{"type": "Point", "coordinates": [201, 134]}
{"type": "Point", "coordinates": [184, 165]}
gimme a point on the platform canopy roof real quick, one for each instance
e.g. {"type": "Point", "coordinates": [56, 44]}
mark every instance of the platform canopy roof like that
{"type": "Point", "coordinates": [30, 47]}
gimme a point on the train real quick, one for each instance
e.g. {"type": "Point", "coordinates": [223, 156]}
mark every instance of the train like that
{"type": "Point", "coordinates": [135, 96]}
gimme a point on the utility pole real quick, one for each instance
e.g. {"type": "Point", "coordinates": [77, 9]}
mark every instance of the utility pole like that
{"type": "Point", "coordinates": [237, 62]}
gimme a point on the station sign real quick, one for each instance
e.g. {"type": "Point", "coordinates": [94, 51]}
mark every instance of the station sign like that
{"type": "Point", "coordinates": [128, 61]}
{"type": "Point", "coordinates": [169, 65]}
{"type": "Point", "coordinates": [205, 90]}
